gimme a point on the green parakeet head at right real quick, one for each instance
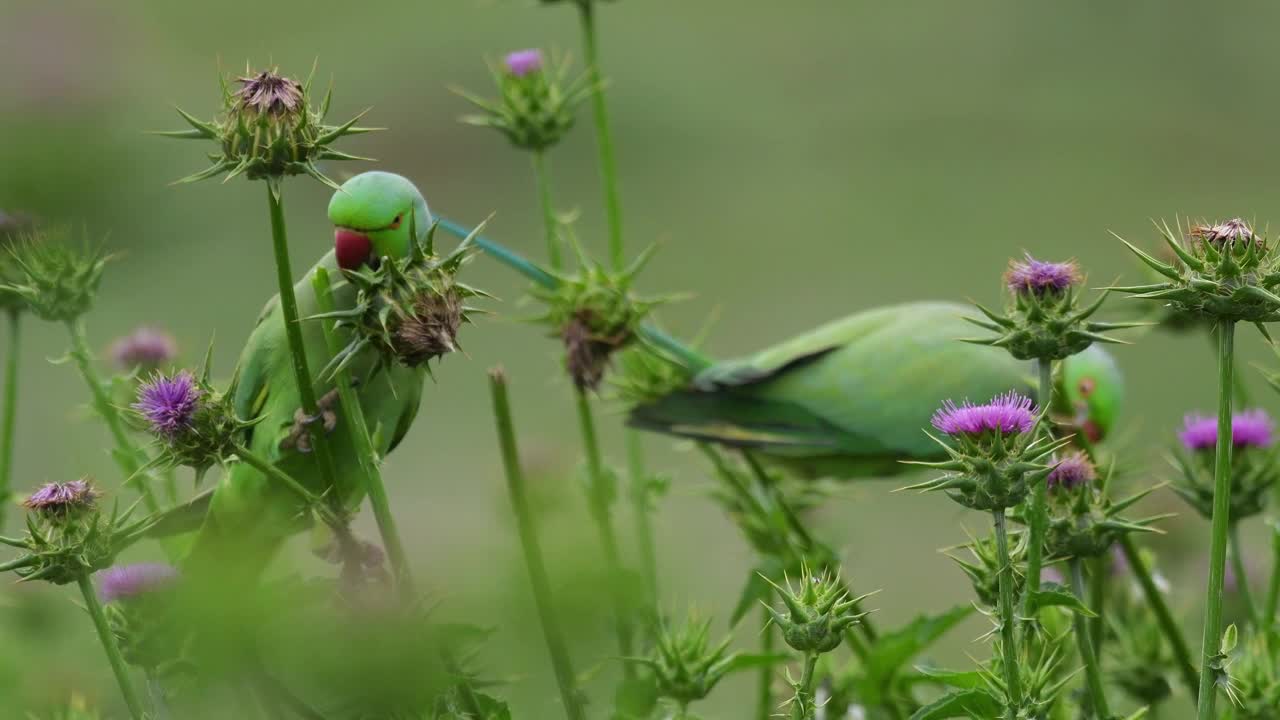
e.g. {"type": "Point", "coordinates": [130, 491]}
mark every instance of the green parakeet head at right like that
{"type": "Point", "coordinates": [372, 215]}
{"type": "Point", "coordinates": [1093, 391]}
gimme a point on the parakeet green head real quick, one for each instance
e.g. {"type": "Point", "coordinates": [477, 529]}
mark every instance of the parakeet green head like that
{"type": "Point", "coordinates": [372, 215]}
{"type": "Point", "coordinates": [1093, 389]}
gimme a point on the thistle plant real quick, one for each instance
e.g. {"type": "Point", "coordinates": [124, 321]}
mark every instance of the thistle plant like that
{"type": "Point", "coordinates": [137, 601]}
{"type": "Point", "coordinates": [143, 351]}
{"type": "Point", "coordinates": [1252, 673]}
{"type": "Point", "coordinates": [1227, 275]}
{"type": "Point", "coordinates": [1254, 470]}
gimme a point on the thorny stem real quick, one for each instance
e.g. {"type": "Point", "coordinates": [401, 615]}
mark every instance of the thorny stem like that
{"type": "Point", "coordinates": [550, 225]}
{"type": "Point", "coordinates": [604, 136]}
{"type": "Point", "coordinates": [1092, 671]}
{"type": "Point", "coordinates": [108, 640]}
{"type": "Point", "coordinates": [641, 493]}
{"type": "Point", "coordinates": [358, 430]}
{"type": "Point", "coordinates": [1172, 633]}
{"type": "Point", "coordinates": [1037, 514]}
{"type": "Point", "coordinates": [1221, 524]}
{"type": "Point", "coordinates": [1236, 554]}
{"type": "Point", "coordinates": [528, 530]}
{"type": "Point", "coordinates": [8, 422]}
{"type": "Point", "coordinates": [764, 687]}
{"type": "Point", "coordinates": [127, 452]}
{"type": "Point", "coordinates": [269, 469]}
{"type": "Point", "coordinates": [599, 499]}
{"type": "Point", "coordinates": [293, 332]}
{"type": "Point", "coordinates": [1008, 645]}
{"type": "Point", "coordinates": [1098, 604]}
{"type": "Point", "coordinates": [803, 706]}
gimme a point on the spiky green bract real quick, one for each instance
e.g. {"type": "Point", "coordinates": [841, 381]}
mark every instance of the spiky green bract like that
{"type": "Point", "coordinates": [1254, 472]}
{"type": "Point", "coordinates": [1084, 522]}
{"type": "Point", "coordinates": [54, 279]}
{"type": "Point", "coordinates": [1252, 673]}
{"type": "Point", "coordinates": [991, 471]}
{"type": "Point", "coordinates": [646, 374]}
{"type": "Point", "coordinates": [1226, 273]}
{"type": "Point", "coordinates": [63, 548]}
{"type": "Point", "coordinates": [686, 666]}
{"type": "Point", "coordinates": [1045, 325]}
{"type": "Point", "coordinates": [535, 109]}
{"type": "Point", "coordinates": [984, 567]}
{"type": "Point", "coordinates": [1040, 674]}
{"type": "Point", "coordinates": [595, 313]}
{"type": "Point", "coordinates": [818, 611]}
{"type": "Point", "coordinates": [268, 129]}
{"type": "Point", "coordinates": [409, 309]}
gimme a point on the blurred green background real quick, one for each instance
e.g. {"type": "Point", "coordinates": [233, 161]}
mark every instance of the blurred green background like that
{"type": "Point", "coordinates": [796, 160]}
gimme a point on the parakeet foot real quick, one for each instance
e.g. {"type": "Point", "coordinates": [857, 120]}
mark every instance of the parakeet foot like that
{"type": "Point", "coordinates": [299, 437]}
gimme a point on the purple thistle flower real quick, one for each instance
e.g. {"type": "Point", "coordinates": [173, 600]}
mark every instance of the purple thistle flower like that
{"type": "Point", "coordinates": [1225, 232]}
{"type": "Point", "coordinates": [1249, 429]}
{"type": "Point", "coordinates": [62, 498]}
{"type": "Point", "coordinates": [523, 62]}
{"type": "Point", "coordinates": [1007, 414]}
{"type": "Point", "coordinates": [1072, 472]}
{"type": "Point", "coordinates": [129, 581]}
{"type": "Point", "coordinates": [1035, 276]}
{"type": "Point", "coordinates": [145, 348]}
{"type": "Point", "coordinates": [169, 403]}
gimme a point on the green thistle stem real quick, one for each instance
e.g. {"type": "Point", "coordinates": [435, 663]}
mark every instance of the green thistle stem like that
{"type": "Point", "coordinates": [9, 417]}
{"type": "Point", "coordinates": [764, 683]}
{"type": "Point", "coordinates": [358, 430]}
{"type": "Point", "coordinates": [599, 500]}
{"type": "Point", "coordinates": [528, 530]}
{"type": "Point", "coordinates": [127, 453]}
{"type": "Point", "coordinates": [1092, 671]}
{"type": "Point", "coordinates": [640, 506]}
{"type": "Point", "coordinates": [1037, 512]}
{"type": "Point", "coordinates": [1098, 604]}
{"type": "Point", "coordinates": [1008, 644]}
{"type": "Point", "coordinates": [1155, 600]}
{"type": "Point", "coordinates": [804, 706]}
{"type": "Point", "coordinates": [1273, 591]}
{"type": "Point", "coordinates": [1236, 553]}
{"type": "Point", "coordinates": [262, 465]}
{"type": "Point", "coordinates": [108, 640]}
{"type": "Point", "coordinates": [293, 332]}
{"type": "Point", "coordinates": [1221, 524]}
{"type": "Point", "coordinates": [551, 227]}
{"type": "Point", "coordinates": [604, 136]}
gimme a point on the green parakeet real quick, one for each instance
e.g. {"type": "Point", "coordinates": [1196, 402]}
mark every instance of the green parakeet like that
{"type": "Point", "coordinates": [250, 515]}
{"type": "Point", "coordinates": [852, 398]}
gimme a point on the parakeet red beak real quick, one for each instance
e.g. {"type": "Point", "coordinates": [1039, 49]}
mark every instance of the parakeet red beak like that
{"type": "Point", "coordinates": [351, 248]}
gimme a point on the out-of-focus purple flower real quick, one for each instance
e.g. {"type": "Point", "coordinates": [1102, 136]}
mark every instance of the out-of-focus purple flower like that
{"type": "Point", "coordinates": [1225, 232]}
{"type": "Point", "coordinates": [1036, 276]}
{"type": "Point", "coordinates": [129, 581]}
{"type": "Point", "coordinates": [144, 349]}
{"type": "Point", "coordinates": [169, 403]}
{"type": "Point", "coordinates": [1249, 429]}
{"type": "Point", "coordinates": [1072, 472]}
{"type": "Point", "coordinates": [1052, 575]}
{"type": "Point", "coordinates": [63, 498]}
{"type": "Point", "coordinates": [523, 62]}
{"type": "Point", "coordinates": [1008, 414]}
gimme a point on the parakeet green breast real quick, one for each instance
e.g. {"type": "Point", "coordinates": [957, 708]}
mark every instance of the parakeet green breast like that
{"type": "Point", "coordinates": [851, 398]}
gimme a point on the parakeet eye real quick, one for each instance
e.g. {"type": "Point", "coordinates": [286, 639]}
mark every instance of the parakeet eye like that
{"type": "Point", "coordinates": [395, 223]}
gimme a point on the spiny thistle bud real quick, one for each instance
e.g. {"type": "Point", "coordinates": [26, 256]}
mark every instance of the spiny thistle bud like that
{"type": "Point", "coordinates": [269, 129]}
{"type": "Point", "coordinates": [1041, 677]}
{"type": "Point", "coordinates": [685, 665]}
{"type": "Point", "coordinates": [994, 454]}
{"type": "Point", "coordinates": [1253, 674]}
{"type": "Point", "coordinates": [537, 104]}
{"type": "Point", "coordinates": [1227, 272]}
{"type": "Point", "coordinates": [144, 350]}
{"type": "Point", "coordinates": [68, 536]}
{"type": "Point", "coordinates": [56, 281]}
{"type": "Point", "coordinates": [1254, 469]}
{"type": "Point", "coordinates": [986, 564]}
{"type": "Point", "coordinates": [408, 309]}
{"type": "Point", "coordinates": [1084, 522]}
{"type": "Point", "coordinates": [195, 426]}
{"type": "Point", "coordinates": [1043, 320]}
{"type": "Point", "coordinates": [140, 611]}
{"type": "Point", "coordinates": [595, 314]}
{"type": "Point", "coordinates": [817, 612]}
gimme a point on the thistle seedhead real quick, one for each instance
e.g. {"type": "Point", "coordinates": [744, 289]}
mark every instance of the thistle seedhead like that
{"type": "Point", "coordinates": [143, 351]}
{"type": "Point", "coordinates": [409, 310]}
{"type": "Point", "coordinates": [993, 453]}
{"type": "Point", "coordinates": [68, 534]}
{"type": "Point", "coordinates": [685, 665]}
{"type": "Point", "coordinates": [56, 281]}
{"type": "Point", "coordinates": [1084, 522]}
{"type": "Point", "coordinates": [1226, 272]}
{"type": "Point", "coordinates": [194, 425]}
{"type": "Point", "coordinates": [1043, 319]}
{"type": "Point", "coordinates": [818, 611]}
{"type": "Point", "coordinates": [537, 102]}
{"type": "Point", "coordinates": [268, 129]}
{"type": "Point", "coordinates": [595, 313]}
{"type": "Point", "coordinates": [1254, 467]}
